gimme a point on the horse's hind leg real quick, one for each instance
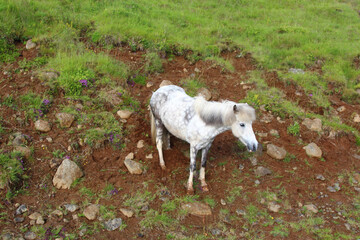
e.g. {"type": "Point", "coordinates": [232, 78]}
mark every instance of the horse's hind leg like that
{"type": "Point", "coordinates": [166, 139]}
{"type": "Point", "coordinates": [205, 151]}
{"type": "Point", "coordinates": [159, 141]}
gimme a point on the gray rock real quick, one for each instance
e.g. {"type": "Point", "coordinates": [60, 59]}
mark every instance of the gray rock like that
{"type": "Point", "coordinates": [66, 174]}
{"type": "Point", "coordinates": [40, 221]}
{"type": "Point", "coordinates": [253, 161]}
{"type": "Point", "coordinates": [133, 167]}
{"type": "Point", "coordinates": [356, 118]}
{"type": "Point", "coordinates": [205, 93]}
{"type": "Point", "coordinates": [49, 75]}
{"type": "Point", "coordinates": [113, 224]}
{"type": "Point", "coordinates": [82, 232]}
{"type": "Point", "coordinates": [296, 71]}
{"type": "Point", "coordinates": [7, 236]}
{"type": "Point", "coordinates": [276, 152]}
{"type": "Point", "coordinates": [42, 126]}
{"type": "Point", "coordinates": [215, 232]}
{"type": "Point", "coordinates": [165, 83]}
{"type": "Point", "coordinates": [320, 177]}
{"type": "Point", "coordinates": [127, 212]}
{"type": "Point", "coordinates": [25, 151]}
{"type": "Point", "coordinates": [313, 124]}
{"type": "Point", "coordinates": [313, 150]}
{"type": "Point", "coordinates": [30, 235]}
{"type": "Point", "coordinates": [19, 139]}
{"type": "Point", "coordinates": [124, 114]}
{"type": "Point", "coordinates": [197, 209]}
{"type": "Point", "coordinates": [65, 119]}
{"type": "Point", "coordinates": [21, 209]}
{"type": "Point", "coordinates": [240, 212]}
{"type": "Point", "coordinates": [30, 44]}
{"type": "Point", "coordinates": [71, 207]}
{"type": "Point", "coordinates": [19, 219]}
{"type": "Point", "coordinates": [273, 207]}
{"type": "Point", "coordinates": [34, 216]}
{"type": "Point", "coordinates": [241, 167]}
{"type": "Point", "coordinates": [311, 208]}
{"type": "Point", "coordinates": [262, 171]}
{"type": "Point", "coordinates": [257, 182]}
{"type": "Point", "coordinates": [91, 211]}
{"type": "Point", "coordinates": [274, 132]}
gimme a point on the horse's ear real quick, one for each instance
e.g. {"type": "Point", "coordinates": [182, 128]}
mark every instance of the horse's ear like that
{"type": "Point", "coordinates": [236, 109]}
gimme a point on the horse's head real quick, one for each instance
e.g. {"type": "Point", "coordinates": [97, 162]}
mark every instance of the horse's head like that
{"type": "Point", "coordinates": [242, 126]}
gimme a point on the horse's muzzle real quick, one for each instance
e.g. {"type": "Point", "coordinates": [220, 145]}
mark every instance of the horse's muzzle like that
{"type": "Point", "coordinates": [252, 147]}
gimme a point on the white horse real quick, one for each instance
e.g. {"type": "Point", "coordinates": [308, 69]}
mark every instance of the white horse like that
{"type": "Point", "coordinates": [197, 122]}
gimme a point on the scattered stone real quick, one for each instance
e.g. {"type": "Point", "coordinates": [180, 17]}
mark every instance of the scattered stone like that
{"type": "Point", "coordinates": [30, 44]}
{"type": "Point", "coordinates": [222, 201]}
{"type": "Point", "coordinates": [357, 118]}
{"type": "Point", "coordinates": [313, 124]}
{"type": "Point", "coordinates": [21, 209]}
{"type": "Point", "coordinates": [19, 139]}
{"type": "Point", "coordinates": [25, 151]}
{"type": "Point", "coordinates": [197, 70]}
{"type": "Point", "coordinates": [91, 211]}
{"type": "Point", "coordinates": [241, 167]}
{"type": "Point", "coordinates": [262, 171]}
{"type": "Point", "coordinates": [49, 139]}
{"type": "Point", "coordinates": [19, 219]}
{"type": "Point", "coordinates": [130, 156]}
{"type": "Point", "coordinates": [215, 232]}
{"type": "Point", "coordinates": [165, 83]}
{"type": "Point", "coordinates": [357, 189]}
{"type": "Point", "coordinates": [297, 93]}
{"type": "Point", "coordinates": [311, 207]}
{"type": "Point", "coordinates": [296, 71]}
{"type": "Point", "coordinates": [240, 212]}
{"type": "Point", "coordinates": [257, 182]}
{"type": "Point", "coordinates": [205, 93]}
{"type": "Point", "coordinates": [34, 215]}
{"type": "Point", "coordinates": [313, 150]}
{"type": "Point", "coordinates": [113, 224]}
{"type": "Point", "coordinates": [55, 162]}
{"type": "Point", "coordinates": [274, 132]}
{"type": "Point", "coordinates": [149, 84]}
{"type": "Point", "coordinates": [71, 207]}
{"type": "Point", "coordinates": [149, 156]}
{"type": "Point", "coordinates": [267, 118]}
{"type": "Point", "coordinates": [7, 236]}
{"type": "Point", "coordinates": [49, 75]}
{"type": "Point", "coordinates": [75, 217]}
{"type": "Point", "coordinates": [65, 119]}
{"type": "Point", "coordinates": [66, 174]}
{"type": "Point", "coordinates": [133, 167]}
{"type": "Point", "coordinates": [253, 161]}
{"type": "Point", "coordinates": [320, 177]}
{"type": "Point", "coordinates": [124, 114]}
{"type": "Point", "coordinates": [40, 221]}
{"type": "Point", "coordinates": [260, 134]}
{"type": "Point", "coordinates": [341, 109]}
{"type": "Point", "coordinates": [357, 177]}
{"type": "Point", "coordinates": [128, 213]}
{"type": "Point", "coordinates": [113, 97]}
{"type": "Point", "coordinates": [185, 70]}
{"type": "Point", "coordinates": [140, 144]}
{"type": "Point", "coordinates": [30, 236]}
{"type": "Point", "coordinates": [273, 207]}
{"type": "Point", "coordinates": [276, 152]}
{"type": "Point", "coordinates": [42, 126]}
{"type": "Point", "coordinates": [197, 209]}
{"type": "Point", "coordinates": [56, 213]}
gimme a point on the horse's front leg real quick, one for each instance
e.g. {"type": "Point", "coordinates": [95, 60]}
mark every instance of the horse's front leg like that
{"type": "Point", "coordinates": [159, 142]}
{"type": "Point", "coordinates": [205, 151]}
{"type": "Point", "coordinates": [193, 152]}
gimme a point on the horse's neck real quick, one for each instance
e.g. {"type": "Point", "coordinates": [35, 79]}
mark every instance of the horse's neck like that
{"type": "Point", "coordinates": [220, 129]}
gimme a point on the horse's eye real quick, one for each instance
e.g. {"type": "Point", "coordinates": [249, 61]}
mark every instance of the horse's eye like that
{"type": "Point", "coordinates": [242, 124]}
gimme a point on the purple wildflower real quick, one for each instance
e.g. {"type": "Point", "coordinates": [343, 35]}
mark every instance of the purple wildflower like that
{"type": "Point", "coordinates": [310, 95]}
{"type": "Point", "coordinates": [84, 82]}
{"type": "Point", "coordinates": [46, 102]}
{"type": "Point", "coordinates": [119, 93]}
{"type": "Point", "coordinates": [67, 157]}
{"type": "Point", "coordinates": [113, 192]}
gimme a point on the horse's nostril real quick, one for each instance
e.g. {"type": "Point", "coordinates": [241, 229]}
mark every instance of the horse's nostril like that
{"type": "Point", "coordinates": [254, 147]}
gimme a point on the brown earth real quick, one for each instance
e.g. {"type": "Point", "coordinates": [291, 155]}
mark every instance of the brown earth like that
{"type": "Point", "coordinates": [105, 165]}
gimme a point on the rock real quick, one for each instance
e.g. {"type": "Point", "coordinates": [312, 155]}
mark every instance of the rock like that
{"type": "Point", "coordinates": [240, 212]}
{"type": "Point", "coordinates": [241, 167]}
{"type": "Point", "coordinates": [149, 84]}
{"type": "Point", "coordinates": [313, 125]}
{"type": "Point", "coordinates": [71, 207]}
{"type": "Point", "coordinates": [34, 215]}
{"type": "Point", "coordinates": [262, 171]}
{"type": "Point", "coordinates": [42, 126]}
{"type": "Point", "coordinates": [91, 211]}
{"type": "Point", "coordinates": [357, 118]}
{"type": "Point", "coordinates": [113, 97]}
{"type": "Point", "coordinates": [133, 167]}
{"type": "Point", "coordinates": [66, 174]}
{"type": "Point", "coordinates": [261, 134]}
{"type": "Point", "coordinates": [341, 109]}
{"type": "Point", "coordinates": [205, 93]}
{"type": "Point", "coordinates": [197, 209]}
{"type": "Point", "coordinates": [215, 232]}
{"type": "Point", "coordinates": [55, 162]}
{"type": "Point", "coordinates": [25, 151]}
{"type": "Point", "coordinates": [30, 235]}
{"type": "Point", "coordinates": [48, 75]}
{"type": "Point", "coordinates": [113, 224]}
{"type": "Point", "coordinates": [149, 156]}
{"type": "Point", "coordinates": [296, 71]}
{"type": "Point", "coordinates": [320, 177]}
{"type": "Point", "coordinates": [357, 177]}
{"type": "Point", "coordinates": [128, 213]}
{"type": "Point", "coordinates": [21, 209]}
{"type": "Point", "coordinates": [19, 139]}
{"type": "Point", "coordinates": [313, 150]}
{"type": "Point", "coordinates": [7, 236]}
{"type": "Point", "coordinates": [65, 119]}
{"type": "Point", "coordinates": [30, 44]}
{"type": "Point", "coordinates": [124, 114]}
{"type": "Point", "coordinates": [222, 202]}
{"type": "Point", "coordinates": [257, 182]}
{"type": "Point", "coordinates": [165, 83]}
{"type": "Point", "coordinates": [40, 221]}
{"type": "Point", "coordinates": [19, 219]}
{"type": "Point", "coordinates": [140, 144]}
{"type": "Point", "coordinates": [274, 132]}
{"type": "Point", "coordinates": [276, 152]}
{"type": "Point", "coordinates": [267, 118]}
{"type": "Point", "coordinates": [311, 208]}
{"type": "Point", "coordinates": [130, 156]}
{"type": "Point", "coordinates": [273, 207]}
{"type": "Point", "coordinates": [253, 161]}
{"type": "Point", "coordinates": [56, 213]}
{"type": "Point", "coordinates": [49, 139]}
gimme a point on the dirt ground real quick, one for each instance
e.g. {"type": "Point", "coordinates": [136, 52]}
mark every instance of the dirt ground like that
{"type": "Point", "coordinates": [105, 165]}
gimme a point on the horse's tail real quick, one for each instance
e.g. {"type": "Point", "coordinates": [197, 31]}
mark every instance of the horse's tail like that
{"type": "Point", "coordinates": [153, 127]}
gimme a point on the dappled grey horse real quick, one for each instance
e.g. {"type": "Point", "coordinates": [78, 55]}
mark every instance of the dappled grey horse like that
{"type": "Point", "coordinates": [197, 122]}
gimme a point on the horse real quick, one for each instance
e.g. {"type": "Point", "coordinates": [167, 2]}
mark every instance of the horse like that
{"type": "Point", "coordinates": [197, 122]}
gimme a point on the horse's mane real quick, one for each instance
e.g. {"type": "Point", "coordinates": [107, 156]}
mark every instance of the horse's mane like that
{"type": "Point", "coordinates": [222, 113]}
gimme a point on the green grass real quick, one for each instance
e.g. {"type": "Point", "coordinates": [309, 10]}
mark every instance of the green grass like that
{"type": "Point", "coordinates": [192, 85]}
{"type": "Point", "coordinates": [294, 129]}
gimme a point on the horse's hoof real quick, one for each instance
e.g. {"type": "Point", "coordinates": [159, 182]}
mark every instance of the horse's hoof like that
{"type": "Point", "coordinates": [190, 192]}
{"type": "Point", "coordinates": [163, 167]}
{"type": "Point", "coordinates": [205, 188]}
